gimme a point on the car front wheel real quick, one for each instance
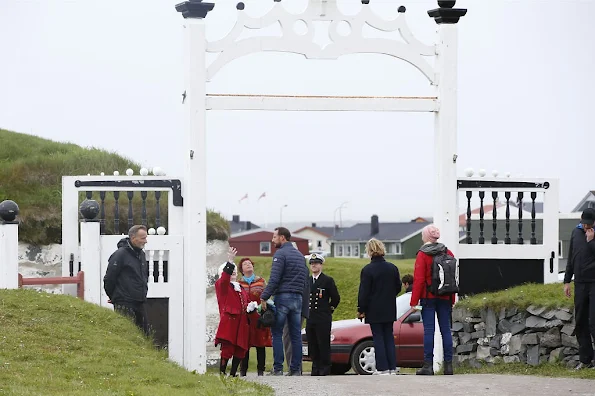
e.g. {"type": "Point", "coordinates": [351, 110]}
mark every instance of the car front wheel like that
{"type": "Point", "coordinates": [363, 359]}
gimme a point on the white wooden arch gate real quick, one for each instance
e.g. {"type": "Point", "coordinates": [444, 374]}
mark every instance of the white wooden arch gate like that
{"type": "Point", "coordinates": [443, 76]}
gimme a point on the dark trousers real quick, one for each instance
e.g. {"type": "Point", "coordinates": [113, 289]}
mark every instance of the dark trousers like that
{"type": "Point", "coordinates": [136, 312]}
{"type": "Point", "coordinates": [260, 359]}
{"type": "Point", "coordinates": [319, 347]}
{"type": "Point", "coordinates": [584, 311]}
{"type": "Point", "coordinates": [384, 346]}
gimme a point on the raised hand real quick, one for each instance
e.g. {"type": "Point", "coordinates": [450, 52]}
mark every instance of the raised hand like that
{"type": "Point", "coordinates": [231, 254]}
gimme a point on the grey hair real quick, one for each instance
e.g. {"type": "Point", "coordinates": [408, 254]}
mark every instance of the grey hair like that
{"type": "Point", "coordinates": [134, 230]}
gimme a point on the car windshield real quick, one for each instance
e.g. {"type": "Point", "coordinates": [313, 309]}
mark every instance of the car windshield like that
{"type": "Point", "coordinates": [403, 304]}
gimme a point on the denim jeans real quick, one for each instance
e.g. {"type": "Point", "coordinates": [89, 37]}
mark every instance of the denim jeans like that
{"type": "Point", "coordinates": [289, 308]}
{"type": "Point", "coordinates": [442, 308]}
{"type": "Point", "coordinates": [384, 346]}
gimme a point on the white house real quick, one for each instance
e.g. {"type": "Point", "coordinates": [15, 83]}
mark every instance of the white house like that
{"type": "Point", "coordinates": [318, 237]}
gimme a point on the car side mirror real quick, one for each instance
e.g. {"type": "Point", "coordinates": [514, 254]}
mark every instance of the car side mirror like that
{"type": "Point", "coordinates": [413, 317]}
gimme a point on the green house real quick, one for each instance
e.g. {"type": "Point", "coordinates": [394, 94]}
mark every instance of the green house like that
{"type": "Point", "coordinates": [402, 240]}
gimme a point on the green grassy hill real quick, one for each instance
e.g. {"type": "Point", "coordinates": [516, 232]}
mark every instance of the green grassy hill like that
{"type": "Point", "coordinates": [60, 345]}
{"type": "Point", "coordinates": [31, 170]}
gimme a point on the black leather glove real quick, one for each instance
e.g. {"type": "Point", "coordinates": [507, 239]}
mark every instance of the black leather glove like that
{"type": "Point", "coordinates": [229, 267]}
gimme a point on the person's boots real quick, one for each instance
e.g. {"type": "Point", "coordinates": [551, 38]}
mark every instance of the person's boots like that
{"type": "Point", "coordinates": [243, 367]}
{"type": "Point", "coordinates": [427, 369]}
{"type": "Point", "coordinates": [223, 365]}
{"type": "Point", "coordinates": [235, 362]}
{"type": "Point", "coordinates": [448, 370]}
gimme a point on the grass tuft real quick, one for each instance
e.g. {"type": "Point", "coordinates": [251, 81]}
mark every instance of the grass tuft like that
{"type": "Point", "coordinates": [542, 370]}
{"type": "Point", "coordinates": [59, 345]}
{"type": "Point", "coordinates": [549, 296]}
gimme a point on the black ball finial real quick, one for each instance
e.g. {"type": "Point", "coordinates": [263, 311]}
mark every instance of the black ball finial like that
{"type": "Point", "coordinates": [9, 210]}
{"type": "Point", "coordinates": [446, 14]}
{"type": "Point", "coordinates": [402, 9]}
{"type": "Point", "coordinates": [365, 2]}
{"type": "Point", "coordinates": [446, 3]}
{"type": "Point", "coordinates": [89, 209]}
{"type": "Point", "coordinates": [240, 6]}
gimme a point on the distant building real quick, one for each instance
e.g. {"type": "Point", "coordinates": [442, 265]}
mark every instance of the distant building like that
{"type": "Point", "coordinates": [235, 225]}
{"type": "Point", "coordinates": [318, 237]}
{"type": "Point", "coordinates": [258, 243]}
{"type": "Point", "coordinates": [587, 202]}
{"type": "Point", "coordinates": [402, 239]}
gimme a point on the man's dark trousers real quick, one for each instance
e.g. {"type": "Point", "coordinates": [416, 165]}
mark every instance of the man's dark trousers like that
{"type": "Point", "coordinates": [137, 312]}
{"type": "Point", "coordinates": [584, 308]}
{"type": "Point", "coordinates": [319, 347]}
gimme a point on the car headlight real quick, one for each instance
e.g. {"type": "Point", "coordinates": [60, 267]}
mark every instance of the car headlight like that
{"type": "Point", "coordinates": [332, 337]}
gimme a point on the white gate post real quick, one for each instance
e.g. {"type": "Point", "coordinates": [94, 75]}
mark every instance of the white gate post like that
{"type": "Point", "coordinates": [9, 245]}
{"type": "Point", "coordinates": [91, 251]}
{"type": "Point", "coordinates": [446, 215]}
{"type": "Point", "coordinates": [193, 186]}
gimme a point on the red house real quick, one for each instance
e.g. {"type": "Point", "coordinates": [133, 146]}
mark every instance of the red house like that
{"type": "Point", "coordinates": [258, 243]}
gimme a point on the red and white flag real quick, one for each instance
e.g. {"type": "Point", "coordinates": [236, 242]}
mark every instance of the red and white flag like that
{"type": "Point", "coordinates": [244, 197]}
{"type": "Point", "coordinates": [264, 194]}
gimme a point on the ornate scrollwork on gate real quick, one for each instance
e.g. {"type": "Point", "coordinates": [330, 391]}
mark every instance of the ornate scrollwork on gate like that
{"type": "Point", "coordinates": [411, 50]}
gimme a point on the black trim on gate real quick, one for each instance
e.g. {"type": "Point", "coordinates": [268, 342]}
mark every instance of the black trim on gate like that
{"type": "Point", "coordinates": [174, 184]}
{"type": "Point", "coordinates": [500, 184]}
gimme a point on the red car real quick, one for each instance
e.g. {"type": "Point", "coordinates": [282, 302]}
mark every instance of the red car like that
{"type": "Point", "coordinates": [352, 346]}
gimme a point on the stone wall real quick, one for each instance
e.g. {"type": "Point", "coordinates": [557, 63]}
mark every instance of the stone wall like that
{"type": "Point", "coordinates": [534, 335]}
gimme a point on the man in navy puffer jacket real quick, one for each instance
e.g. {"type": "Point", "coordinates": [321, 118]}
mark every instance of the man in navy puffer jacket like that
{"type": "Point", "coordinates": [286, 284]}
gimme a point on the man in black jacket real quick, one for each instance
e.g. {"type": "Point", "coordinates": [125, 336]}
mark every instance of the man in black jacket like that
{"type": "Point", "coordinates": [324, 299]}
{"type": "Point", "coordinates": [127, 276]}
{"type": "Point", "coordinates": [581, 264]}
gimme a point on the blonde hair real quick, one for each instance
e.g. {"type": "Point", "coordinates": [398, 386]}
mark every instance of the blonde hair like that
{"type": "Point", "coordinates": [375, 248]}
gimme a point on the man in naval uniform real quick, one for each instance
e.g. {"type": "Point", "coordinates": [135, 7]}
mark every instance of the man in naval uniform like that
{"type": "Point", "coordinates": [324, 299]}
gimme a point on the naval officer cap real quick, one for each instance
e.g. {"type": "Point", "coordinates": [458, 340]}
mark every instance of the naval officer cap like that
{"type": "Point", "coordinates": [316, 258]}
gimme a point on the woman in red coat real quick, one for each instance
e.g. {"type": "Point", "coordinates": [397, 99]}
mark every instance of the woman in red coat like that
{"type": "Point", "coordinates": [432, 306]}
{"type": "Point", "coordinates": [233, 330]}
{"type": "Point", "coordinates": [260, 337]}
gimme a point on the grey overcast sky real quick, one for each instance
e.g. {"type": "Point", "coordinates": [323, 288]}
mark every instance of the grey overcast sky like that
{"type": "Point", "coordinates": [109, 74]}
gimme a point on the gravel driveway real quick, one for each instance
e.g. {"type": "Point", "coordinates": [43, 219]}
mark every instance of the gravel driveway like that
{"type": "Point", "coordinates": [476, 385]}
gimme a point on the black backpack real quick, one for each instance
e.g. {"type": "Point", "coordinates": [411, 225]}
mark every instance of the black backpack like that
{"type": "Point", "coordinates": [445, 274]}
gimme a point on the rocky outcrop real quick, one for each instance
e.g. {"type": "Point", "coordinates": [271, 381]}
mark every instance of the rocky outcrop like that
{"type": "Point", "coordinates": [534, 335]}
{"type": "Point", "coordinates": [41, 261]}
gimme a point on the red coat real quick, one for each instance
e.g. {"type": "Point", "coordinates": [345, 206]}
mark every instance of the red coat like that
{"type": "Point", "coordinates": [259, 337]}
{"type": "Point", "coordinates": [422, 275]}
{"type": "Point", "coordinates": [233, 319]}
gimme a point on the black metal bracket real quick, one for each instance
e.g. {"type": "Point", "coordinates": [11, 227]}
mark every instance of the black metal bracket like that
{"type": "Point", "coordinates": [461, 184]}
{"type": "Point", "coordinates": [174, 184]}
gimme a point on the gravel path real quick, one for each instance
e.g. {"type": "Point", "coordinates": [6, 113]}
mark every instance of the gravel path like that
{"type": "Point", "coordinates": [475, 385]}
